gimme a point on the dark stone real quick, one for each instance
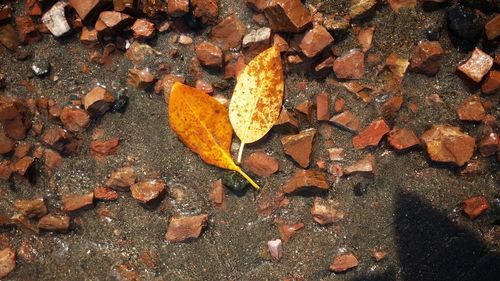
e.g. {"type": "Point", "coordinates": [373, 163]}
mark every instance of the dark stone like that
{"type": "Point", "coordinates": [235, 182]}
{"type": "Point", "coordinates": [121, 101]}
{"type": "Point", "coordinates": [432, 34]}
{"type": "Point", "coordinates": [40, 67]}
{"type": "Point", "coordinates": [464, 26]}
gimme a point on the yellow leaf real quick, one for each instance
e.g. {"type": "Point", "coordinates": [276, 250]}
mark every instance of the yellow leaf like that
{"type": "Point", "coordinates": [202, 124]}
{"type": "Point", "coordinates": [257, 97]}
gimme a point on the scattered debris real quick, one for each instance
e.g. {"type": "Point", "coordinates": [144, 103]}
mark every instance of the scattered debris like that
{"type": "Point", "coordinates": [299, 146]}
{"type": "Point", "coordinates": [325, 211]}
{"type": "Point", "coordinates": [344, 262]}
{"type": "Point", "coordinates": [445, 143]}
{"type": "Point", "coordinates": [183, 228]}
{"type": "Point", "coordinates": [275, 249]}
{"type": "Point", "coordinates": [304, 179]}
{"type": "Point", "coordinates": [475, 206]}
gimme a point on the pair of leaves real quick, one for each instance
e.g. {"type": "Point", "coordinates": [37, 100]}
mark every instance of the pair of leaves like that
{"type": "Point", "coordinates": [204, 125]}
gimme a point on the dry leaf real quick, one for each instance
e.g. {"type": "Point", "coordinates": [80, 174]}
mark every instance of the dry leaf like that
{"type": "Point", "coordinates": [257, 97]}
{"type": "Point", "coordinates": [202, 124]}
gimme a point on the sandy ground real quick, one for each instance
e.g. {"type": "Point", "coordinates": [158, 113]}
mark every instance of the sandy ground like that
{"type": "Point", "coordinates": [411, 209]}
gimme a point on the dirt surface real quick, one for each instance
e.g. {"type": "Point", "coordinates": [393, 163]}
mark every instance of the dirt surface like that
{"type": "Point", "coordinates": [412, 208]}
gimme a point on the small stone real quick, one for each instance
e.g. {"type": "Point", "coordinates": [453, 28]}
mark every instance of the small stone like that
{"type": "Point", "coordinates": [204, 86]}
{"type": "Point", "coordinates": [305, 108]}
{"type": "Point", "coordinates": [492, 83]}
{"type": "Point", "coordinates": [275, 249]}
{"type": "Point", "coordinates": [402, 138]}
{"type": "Point", "coordinates": [6, 144]}
{"type": "Point", "coordinates": [350, 65]}
{"type": "Point", "coordinates": [287, 15]}
{"type": "Point", "coordinates": [379, 255]}
{"type": "Point", "coordinates": [98, 101]}
{"type": "Point", "coordinates": [185, 40]}
{"type": "Point", "coordinates": [489, 145]}
{"type": "Point", "coordinates": [280, 42]}
{"type": "Point", "coordinates": [427, 57]}
{"type": "Point", "coordinates": [127, 6]}
{"type": "Point", "coordinates": [492, 27]}
{"type": "Point", "coordinates": [229, 32]}
{"type": "Point", "coordinates": [315, 41]}
{"type": "Point", "coordinates": [445, 143]}
{"type": "Point", "coordinates": [322, 107]}
{"type": "Point", "coordinates": [183, 228]}
{"type": "Point", "coordinates": [147, 191]}
{"type": "Point", "coordinates": [22, 149]}
{"type": "Point", "coordinates": [75, 119]}
{"type": "Point", "coordinates": [55, 20]}
{"type": "Point", "coordinates": [465, 27]}
{"type": "Point", "coordinates": [140, 78]}
{"type": "Point", "coordinates": [338, 106]}
{"type": "Point", "coordinates": [121, 179]}
{"type": "Point", "coordinates": [22, 165]}
{"type": "Point", "coordinates": [360, 7]}
{"type": "Point", "coordinates": [372, 135]}
{"type": "Point", "coordinates": [34, 208]}
{"type": "Point", "coordinates": [7, 261]}
{"type": "Point", "coordinates": [336, 154]}
{"type": "Point", "coordinates": [206, 10]}
{"type": "Point", "coordinates": [365, 166]}
{"type": "Point", "coordinates": [305, 179]}
{"type": "Point", "coordinates": [83, 8]}
{"type": "Point", "coordinates": [56, 223]}
{"type": "Point", "coordinates": [9, 37]}
{"type": "Point", "coordinates": [344, 262]}
{"type": "Point", "coordinates": [103, 148]}
{"type": "Point", "coordinates": [289, 230]}
{"type": "Point", "coordinates": [261, 164]}
{"type": "Point", "coordinates": [325, 211]}
{"type": "Point", "coordinates": [287, 122]}
{"type": "Point", "coordinates": [476, 66]}
{"type": "Point", "coordinates": [209, 54]}
{"type": "Point", "coordinates": [110, 22]}
{"type": "Point", "coordinates": [299, 146]}
{"type": "Point", "coordinates": [391, 107]}
{"type": "Point", "coordinates": [471, 110]}
{"type": "Point", "coordinates": [27, 31]}
{"type": "Point", "coordinates": [177, 8]}
{"type": "Point", "coordinates": [40, 67]}
{"type": "Point", "coordinates": [365, 37]}
{"type": "Point", "coordinates": [475, 206]}
{"type": "Point", "coordinates": [217, 194]}
{"type": "Point", "coordinates": [105, 194]}
{"type": "Point", "coordinates": [71, 202]}
{"type": "Point", "coordinates": [56, 138]}
{"type": "Point", "coordinates": [257, 5]}
{"type": "Point", "coordinates": [256, 38]}
{"type": "Point", "coordinates": [165, 84]}
{"type": "Point", "coordinates": [324, 67]}
{"type": "Point", "coordinates": [88, 37]}
{"type": "Point", "coordinates": [347, 120]}
{"type": "Point", "coordinates": [337, 25]}
{"type": "Point", "coordinates": [143, 29]}
{"type": "Point", "coordinates": [396, 5]}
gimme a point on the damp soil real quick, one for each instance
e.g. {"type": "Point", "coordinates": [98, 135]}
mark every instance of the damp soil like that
{"type": "Point", "coordinates": [411, 209]}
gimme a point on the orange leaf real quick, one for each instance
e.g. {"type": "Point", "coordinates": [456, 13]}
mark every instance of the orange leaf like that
{"type": "Point", "coordinates": [202, 124]}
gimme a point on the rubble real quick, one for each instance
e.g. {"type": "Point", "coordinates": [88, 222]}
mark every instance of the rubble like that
{"type": "Point", "coordinates": [140, 78]}
{"type": "Point", "coordinates": [55, 20]}
{"type": "Point", "coordinates": [287, 122]}
{"type": "Point", "coordinates": [350, 65]}
{"type": "Point", "coordinates": [427, 57]}
{"type": "Point", "coordinates": [315, 41]}
{"type": "Point", "coordinates": [471, 110]}
{"type": "Point", "coordinates": [306, 179]}
{"type": "Point", "coordinates": [121, 179]}
{"type": "Point", "coordinates": [7, 261]}
{"type": "Point", "coordinates": [209, 54]}
{"type": "Point", "coordinates": [257, 37]}
{"type": "Point", "coordinates": [492, 83]}
{"type": "Point", "coordinates": [322, 107]}
{"type": "Point", "coordinates": [360, 7]}
{"type": "Point", "coordinates": [72, 202]}
{"type": "Point", "coordinates": [489, 145]}
{"type": "Point", "coordinates": [289, 230]}
{"type": "Point", "coordinates": [492, 28]}
{"type": "Point", "coordinates": [206, 10]}
{"type": "Point", "coordinates": [183, 228]}
{"type": "Point", "coordinates": [75, 119]}
{"type": "Point", "coordinates": [347, 120]}
{"type": "Point", "coordinates": [445, 143]}
{"type": "Point", "coordinates": [396, 5]}
{"type": "Point", "coordinates": [475, 206]}
{"type": "Point", "coordinates": [98, 101]}
{"type": "Point", "coordinates": [402, 138]}
{"type": "Point", "coordinates": [261, 164]}
{"type": "Point", "coordinates": [103, 148]}
{"type": "Point", "coordinates": [27, 31]}
{"type": "Point", "coordinates": [366, 165]}
{"type": "Point", "coordinates": [56, 223]}
{"type": "Point", "coordinates": [83, 8]}
{"type": "Point", "coordinates": [371, 135]}
{"type": "Point", "coordinates": [476, 66]}
{"type": "Point", "coordinates": [325, 211]}
{"type": "Point", "coordinates": [287, 15]}
{"type": "Point", "coordinates": [364, 37]}
{"type": "Point", "coordinates": [177, 8]}
{"type": "Point", "coordinates": [147, 191]}
{"type": "Point", "coordinates": [110, 22]}
{"type": "Point", "coordinates": [143, 29]}
{"type": "Point", "coordinates": [32, 208]}
{"type": "Point", "coordinates": [229, 32]}
{"type": "Point", "coordinates": [299, 146]}
{"type": "Point", "coordinates": [22, 165]}
{"type": "Point", "coordinates": [105, 194]}
{"type": "Point", "coordinates": [344, 262]}
{"type": "Point", "coordinates": [165, 84]}
{"type": "Point", "coordinates": [217, 194]}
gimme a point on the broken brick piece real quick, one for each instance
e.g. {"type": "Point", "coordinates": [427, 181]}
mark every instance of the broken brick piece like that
{"type": "Point", "coordinates": [475, 206]}
{"type": "Point", "coordinates": [402, 138]}
{"type": "Point", "coordinates": [56, 223]}
{"type": "Point", "coordinates": [350, 65]}
{"type": "Point", "coordinates": [98, 101]}
{"type": "Point", "coordinates": [303, 179]}
{"type": "Point", "coordinates": [344, 262]}
{"type": "Point", "coordinates": [106, 194]}
{"type": "Point", "coordinates": [366, 165]}
{"type": "Point", "coordinates": [71, 202]}
{"type": "Point", "coordinates": [183, 228]}
{"type": "Point", "coordinates": [147, 191]}
{"type": "Point", "coordinates": [346, 120]}
{"type": "Point", "coordinates": [489, 145]}
{"type": "Point", "coordinates": [287, 15]}
{"type": "Point", "coordinates": [261, 164]}
{"type": "Point", "coordinates": [33, 208]}
{"type": "Point", "coordinates": [322, 107]}
{"type": "Point", "coordinates": [288, 230]}
{"type": "Point", "coordinates": [372, 135]}
{"type": "Point", "coordinates": [121, 179]}
{"type": "Point", "coordinates": [315, 41]}
{"type": "Point", "coordinates": [229, 32]}
{"type": "Point", "coordinates": [209, 54]}
{"type": "Point", "coordinates": [299, 146]}
{"type": "Point", "coordinates": [492, 82]}
{"type": "Point", "coordinates": [103, 148]}
{"type": "Point", "coordinates": [427, 57]}
{"type": "Point", "coordinates": [471, 109]}
{"type": "Point", "coordinates": [75, 119]}
{"type": "Point", "coordinates": [325, 211]}
{"type": "Point", "coordinates": [476, 66]}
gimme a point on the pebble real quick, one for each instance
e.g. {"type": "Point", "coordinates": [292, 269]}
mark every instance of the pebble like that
{"type": "Point", "coordinates": [306, 179]}
{"type": "Point", "coordinates": [143, 29]}
{"type": "Point", "coordinates": [261, 164]}
{"type": "Point", "coordinates": [288, 230]}
{"type": "Point", "coordinates": [315, 41]}
{"type": "Point", "coordinates": [325, 211]}
{"type": "Point", "coordinates": [185, 40]}
{"type": "Point", "coordinates": [72, 202]}
{"type": "Point", "coordinates": [140, 78]}
{"type": "Point", "coordinates": [31, 208]}
{"type": "Point", "coordinates": [379, 255]}
{"type": "Point", "coordinates": [350, 65]}
{"type": "Point", "coordinates": [40, 67]}
{"type": "Point", "coordinates": [475, 206]}
{"type": "Point", "coordinates": [492, 83]}
{"type": "Point", "coordinates": [344, 263]}
{"type": "Point", "coordinates": [98, 101]}
{"type": "Point", "coordinates": [347, 120]}
{"type": "Point", "coordinates": [275, 249]}
{"type": "Point", "coordinates": [366, 165]}
{"type": "Point", "coordinates": [206, 10]}
{"type": "Point", "coordinates": [184, 228]}
{"type": "Point", "coordinates": [402, 138]}
{"type": "Point", "coordinates": [471, 109]}
{"type": "Point", "coordinates": [26, 30]}
{"type": "Point", "coordinates": [322, 107]}
{"type": "Point", "coordinates": [121, 179]}
{"type": "Point", "coordinates": [56, 223]}
{"type": "Point", "coordinates": [209, 54]}
{"type": "Point", "coordinates": [299, 146]}
{"type": "Point", "coordinates": [217, 195]}
{"type": "Point", "coordinates": [147, 191]}
{"type": "Point", "coordinates": [464, 26]}
{"type": "Point", "coordinates": [165, 84]}
{"type": "Point", "coordinates": [229, 33]}
{"type": "Point", "coordinates": [110, 22]}
{"type": "Point", "coordinates": [492, 27]}
{"type": "Point", "coordinates": [7, 261]}
{"type": "Point", "coordinates": [287, 15]}
{"type": "Point", "coordinates": [372, 135]}
{"type": "Point", "coordinates": [105, 194]}
{"type": "Point", "coordinates": [55, 19]}
{"type": "Point", "coordinates": [336, 154]}
{"type": "Point", "coordinates": [257, 37]}
{"type": "Point", "coordinates": [83, 8]}
{"type": "Point", "coordinates": [22, 165]}
{"type": "Point", "coordinates": [5, 169]}
{"type": "Point", "coordinates": [177, 8]}
{"type": "Point", "coordinates": [446, 143]}
{"type": "Point", "coordinates": [204, 86]}
{"type": "Point", "coordinates": [305, 108]}
{"type": "Point", "coordinates": [476, 66]}
{"type": "Point", "coordinates": [75, 119]}
{"type": "Point", "coordinates": [364, 37]}
{"type": "Point", "coordinates": [489, 145]}
{"type": "Point", "coordinates": [427, 57]}
{"type": "Point", "coordinates": [56, 138]}
{"type": "Point", "coordinates": [287, 123]}
{"type": "Point", "coordinates": [103, 148]}
{"type": "Point", "coordinates": [391, 107]}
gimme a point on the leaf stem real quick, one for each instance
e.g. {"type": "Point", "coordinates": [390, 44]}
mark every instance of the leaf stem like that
{"type": "Point", "coordinates": [256, 186]}
{"type": "Point", "coordinates": [240, 153]}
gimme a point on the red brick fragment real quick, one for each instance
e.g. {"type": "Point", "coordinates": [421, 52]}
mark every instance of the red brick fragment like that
{"type": "Point", "coordinates": [147, 191]}
{"type": "Point", "coordinates": [350, 65]}
{"type": "Point", "coordinates": [427, 57]}
{"type": "Point", "coordinates": [476, 66]}
{"type": "Point", "coordinates": [288, 230]}
{"type": "Point", "coordinates": [183, 228]}
{"type": "Point", "coordinates": [304, 179]}
{"type": "Point", "coordinates": [326, 211]}
{"type": "Point", "coordinates": [344, 262]}
{"type": "Point", "coordinates": [103, 148]}
{"type": "Point", "coordinates": [489, 145]}
{"type": "Point", "coordinates": [402, 138]}
{"type": "Point", "coordinates": [372, 135]}
{"type": "Point", "coordinates": [315, 41]}
{"type": "Point", "coordinates": [322, 107]}
{"type": "Point", "coordinates": [492, 82]}
{"type": "Point", "coordinates": [229, 32]}
{"type": "Point", "coordinates": [261, 164]}
{"type": "Point", "coordinates": [475, 206]}
{"type": "Point", "coordinates": [75, 119]}
{"type": "Point", "coordinates": [105, 194]}
{"type": "Point", "coordinates": [471, 109]}
{"type": "Point", "coordinates": [72, 202]}
{"type": "Point", "coordinates": [287, 15]}
{"type": "Point", "coordinates": [209, 54]}
{"type": "Point", "coordinates": [299, 146]}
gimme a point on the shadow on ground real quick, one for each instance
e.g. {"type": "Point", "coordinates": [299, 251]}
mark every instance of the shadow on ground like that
{"type": "Point", "coordinates": [431, 247]}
